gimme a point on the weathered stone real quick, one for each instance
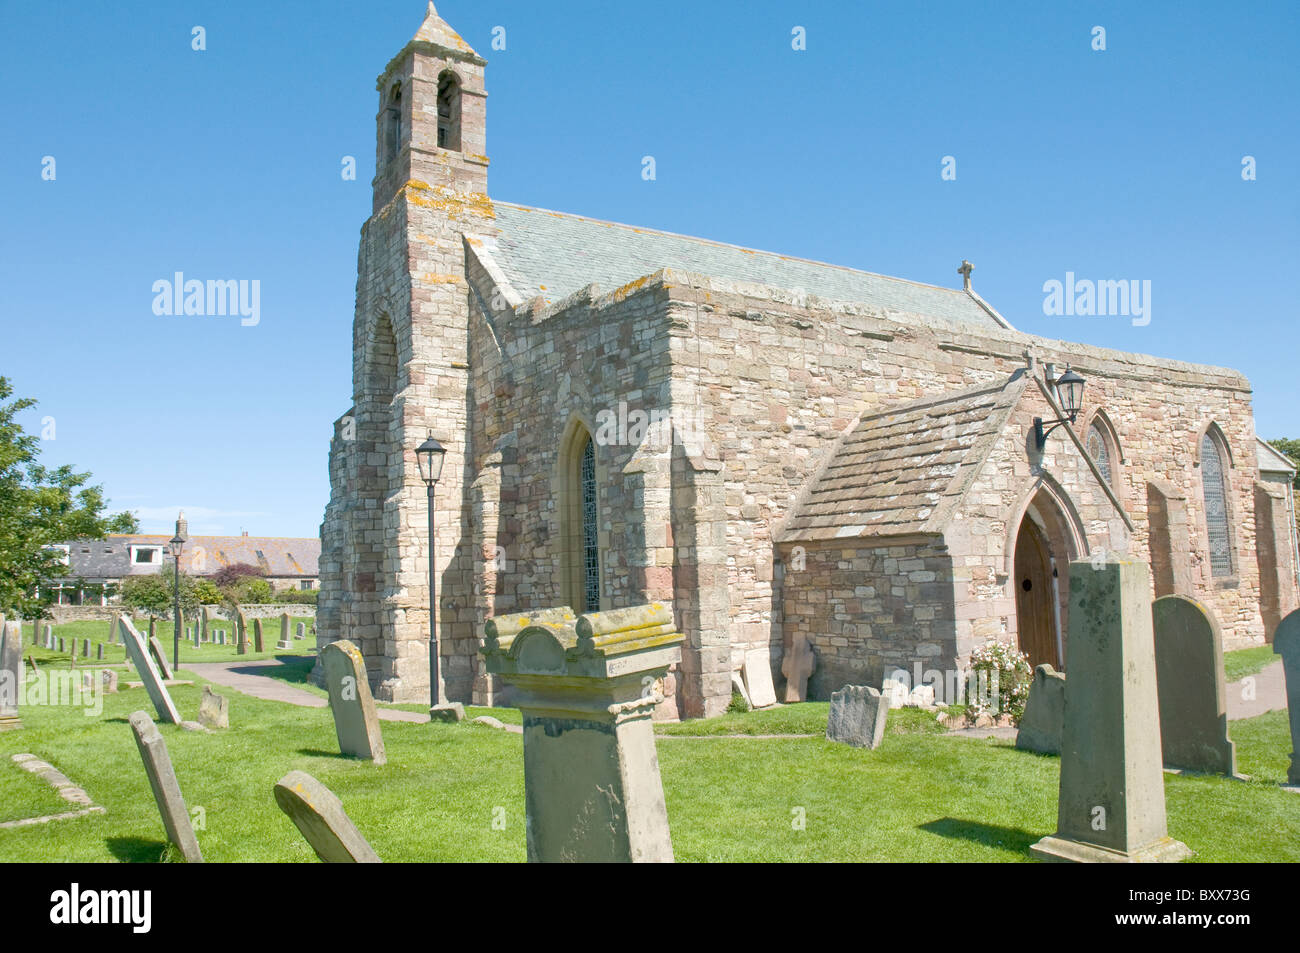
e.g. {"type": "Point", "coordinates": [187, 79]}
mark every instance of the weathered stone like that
{"type": "Point", "coordinates": [489, 721]}
{"type": "Point", "coordinates": [153, 627]}
{"type": "Point", "coordinates": [1044, 718]}
{"type": "Point", "coordinates": [284, 642]}
{"type": "Point", "coordinates": [738, 688]}
{"type": "Point", "coordinates": [1111, 804]}
{"type": "Point", "coordinates": [356, 721]}
{"type": "Point", "coordinates": [166, 789]}
{"type": "Point", "coordinates": [797, 667]}
{"type": "Point", "coordinates": [758, 678]}
{"type": "Point", "coordinates": [138, 653]}
{"type": "Point", "coordinates": [1286, 643]}
{"type": "Point", "coordinates": [857, 716]}
{"type": "Point", "coordinates": [214, 709]}
{"type": "Point", "coordinates": [319, 816]}
{"type": "Point", "coordinates": [300, 631]}
{"type": "Point", "coordinates": [1189, 681]}
{"type": "Point", "coordinates": [11, 674]}
{"type": "Point", "coordinates": [259, 645]}
{"type": "Point", "coordinates": [895, 688]}
{"type": "Point", "coordinates": [591, 777]}
{"type": "Point", "coordinates": [109, 677]}
{"type": "Point", "coordinates": [159, 655]}
{"type": "Point", "coordinates": [99, 651]}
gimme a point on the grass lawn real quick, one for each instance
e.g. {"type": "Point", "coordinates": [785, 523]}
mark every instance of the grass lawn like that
{"type": "Point", "coordinates": [97, 632]}
{"type": "Point", "coordinates": [920, 797]}
{"type": "Point", "coordinates": [1237, 665]}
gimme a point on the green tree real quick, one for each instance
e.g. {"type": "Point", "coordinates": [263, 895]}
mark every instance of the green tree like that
{"type": "Point", "coordinates": [149, 593]}
{"type": "Point", "coordinates": [40, 506]}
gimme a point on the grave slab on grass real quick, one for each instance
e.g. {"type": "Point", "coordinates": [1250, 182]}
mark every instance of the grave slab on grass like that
{"type": "Point", "coordinates": [166, 789]}
{"type": "Point", "coordinates": [319, 816]}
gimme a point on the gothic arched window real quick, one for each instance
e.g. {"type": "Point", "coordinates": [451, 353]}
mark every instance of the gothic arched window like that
{"type": "Point", "coordinates": [579, 514]}
{"type": "Point", "coordinates": [393, 125]}
{"type": "Point", "coordinates": [590, 543]}
{"type": "Point", "coordinates": [449, 111]}
{"type": "Point", "coordinates": [1101, 446]}
{"type": "Point", "coordinates": [1214, 488]}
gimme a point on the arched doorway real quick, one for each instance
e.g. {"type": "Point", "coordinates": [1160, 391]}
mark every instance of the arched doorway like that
{"type": "Point", "coordinates": [1036, 603]}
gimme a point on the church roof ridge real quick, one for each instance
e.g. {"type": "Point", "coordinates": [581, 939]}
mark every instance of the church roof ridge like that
{"type": "Point", "coordinates": [729, 245]}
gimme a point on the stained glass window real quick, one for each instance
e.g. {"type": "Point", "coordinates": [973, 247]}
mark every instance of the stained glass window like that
{"type": "Point", "coordinates": [590, 551]}
{"type": "Point", "coordinates": [1214, 486]}
{"type": "Point", "coordinates": [1099, 450]}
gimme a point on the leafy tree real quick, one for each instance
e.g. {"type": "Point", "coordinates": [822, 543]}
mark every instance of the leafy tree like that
{"type": "Point", "coordinates": [228, 576]}
{"type": "Point", "coordinates": [206, 591]}
{"type": "Point", "coordinates": [40, 506]}
{"type": "Point", "coordinates": [149, 593]}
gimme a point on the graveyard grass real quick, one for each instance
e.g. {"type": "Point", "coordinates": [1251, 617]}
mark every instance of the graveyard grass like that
{"type": "Point", "coordinates": [919, 797]}
{"type": "Point", "coordinates": [1242, 662]}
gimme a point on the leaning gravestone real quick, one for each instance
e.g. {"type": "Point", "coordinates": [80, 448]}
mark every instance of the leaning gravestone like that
{"type": "Point", "coordinates": [138, 653]}
{"type": "Point", "coordinates": [1044, 717]}
{"type": "Point", "coordinates": [857, 717]}
{"type": "Point", "coordinates": [758, 678]}
{"type": "Point", "coordinates": [355, 720]}
{"type": "Point", "coordinates": [258, 644]}
{"type": "Point", "coordinates": [1111, 801]}
{"type": "Point", "coordinates": [1286, 643]}
{"type": "Point", "coordinates": [166, 789]}
{"type": "Point", "coordinates": [284, 643]}
{"type": "Point", "coordinates": [319, 816]}
{"type": "Point", "coordinates": [160, 656]}
{"type": "Point", "coordinates": [592, 789]}
{"type": "Point", "coordinates": [1189, 680]}
{"type": "Point", "coordinates": [214, 709]}
{"type": "Point", "coordinates": [11, 674]}
{"type": "Point", "coordinates": [797, 667]}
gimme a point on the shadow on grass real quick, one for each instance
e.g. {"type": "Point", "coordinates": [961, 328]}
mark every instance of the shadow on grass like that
{"type": "Point", "coordinates": [294, 669]}
{"type": "Point", "coordinates": [320, 753]}
{"type": "Point", "coordinates": [136, 850]}
{"type": "Point", "coordinates": [991, 835]}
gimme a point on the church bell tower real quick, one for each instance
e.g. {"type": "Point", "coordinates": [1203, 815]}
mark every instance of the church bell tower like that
{"type": "Point", "coordinates": [410, 379]}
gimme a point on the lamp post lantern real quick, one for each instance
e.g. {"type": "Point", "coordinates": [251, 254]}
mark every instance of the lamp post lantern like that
{"type": "Point", "coordinates": [175, 545]}
{"type": "Point", "coordinates": [429, 456]}
{"type": "Point", "coordinates": [1069, 391]}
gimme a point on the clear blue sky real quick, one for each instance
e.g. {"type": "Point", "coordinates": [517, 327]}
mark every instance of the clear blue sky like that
{"type": "Point", "coordinates": [1123, 164]}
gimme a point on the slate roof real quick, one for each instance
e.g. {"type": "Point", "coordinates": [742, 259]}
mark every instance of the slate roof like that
{"type": "Point", "coordinates": [903, 471]}
{"type": "Point", "coordinates": [281, 556]}
{"type": "Point", "coordinates": [553, 254]}
{"type": "Point", "coordinates": [1272, 460]}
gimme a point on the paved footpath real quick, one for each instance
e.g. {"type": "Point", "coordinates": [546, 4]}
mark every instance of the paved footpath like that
{"type": "Point", "coordinates": [1269, 691]}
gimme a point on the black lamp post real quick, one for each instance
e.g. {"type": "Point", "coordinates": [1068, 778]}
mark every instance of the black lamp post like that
{"type": "Point", "coordinates": [1069, 390]}
{"type": "Point", "coordinates": [429, 456]}
{"type": "Point", "coordinates": [175, 545]}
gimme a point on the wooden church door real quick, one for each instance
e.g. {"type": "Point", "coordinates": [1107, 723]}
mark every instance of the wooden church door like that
{"type": "Point", "coordinates": [1035, 597]}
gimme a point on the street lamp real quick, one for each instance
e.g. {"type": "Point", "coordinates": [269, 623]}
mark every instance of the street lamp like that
{"type": "Point", "coordinates": [1069, 390]}
{"type": "Point", "coordinates": [429, 456]}
{"type": "Point", "coordinates": [174, 546]}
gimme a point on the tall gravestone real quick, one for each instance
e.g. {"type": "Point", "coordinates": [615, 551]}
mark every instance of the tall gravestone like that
{"type": "Point", "coordinates": [259, 645]}
{"type": "Point", "coordinates": [1286, 643]}
{"type": "Point", "coordinates": [1189, 680]}
{"type": "Point", "coordinates": [112, 628]}
{"type": "Point", "coordinates": [11, 674]}
{"type": "Point", "coordinates": [241, 632]}
{"type": "Point", "coordinates": [284, 642]}
{"type": "Point", "coordinates": [138, 653]}
{"type": "Point", "coordinates": [1044, 718]}
{"type": "Point", "coordinates": [319, 816]}
{"type": "Point", "coordinates": [153, 627]}
{"type": "Point", "coordinates": [160, 656]}
{"type": "Point", "coordinates": [203, 624]}
{"type": "Point", "coordinates": [166, 789]}
{"type": "Point", "coordinates": [591, 776]}
{"type": "Point", "coordinates": [356, 722]}
{"type": "Point", "coordinates": [1111, 803]}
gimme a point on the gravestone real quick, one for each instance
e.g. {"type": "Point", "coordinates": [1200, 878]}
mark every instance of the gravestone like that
{"type": "Point", "coordinates": [138, 653]}
{"type": "Point", "coordinates": [160, 656]}
{"type": "Point", "coordinates": [283, 642]}
{"type": "Point", "coordinates": [1189, 681]}
{"type": "Point", "coordinates": [110, 681]}
{"type": "Point", "coordinates": [258, 644]}
{"type": "Point", "coordinates": [197, 637]}
{"type": "Point", "coordinates": [857, 717]}
{"type": "Point", "coordinates": [166, 789]}
{"type": "Point", "coordinates": [758, 678]}
{"type": "Point", "coordinates": [592, 790]}
{"type": "Point", "coordinates": [85, 648]}
{"type": "Point", "coordinates": [1044, 717]}
{"type": "Point", "coordinates": [738, 688]}
{"type": "Point", "coordinates": [99, 651]}
{"type": "Point", "coordinates": [797, 667]}
{"type": "Point", "coordinates": [241, 633]}
{"type": "Point", "coordinates": [1111, 801]}
{"type": "Point", "coordinates": [203, 624]}
{"type": "Point", "coordinates": [1286, 643]}
{"type": "Point", "coordinates": [47, 633]}
{"type": "Point", "coordinates": [319, 816]}
{"type": "Point", "coordinates": [72, 651]}
{"type": "Point", "coordinates": [11, 674]}
{"type": "Point", "coordinates": [221, 636]}
{"type": "Point", "coordinates": [112, 629]}
{"type": "Point", "coordinates": [896, 687]}
{"type": "Point", "coordinates": [356, 723]}
{"type": "Point", "coordinates": [214, 709]}
{"type": "Point", "coordinates": [300, 632]}
{"type": "Point", "coordinates": [153, 627]}
{"type": "Point", "coordinates": [61, 648]}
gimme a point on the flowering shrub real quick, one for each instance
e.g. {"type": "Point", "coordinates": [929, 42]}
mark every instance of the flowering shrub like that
{"type": "Point", "coordinates": [999, 681]}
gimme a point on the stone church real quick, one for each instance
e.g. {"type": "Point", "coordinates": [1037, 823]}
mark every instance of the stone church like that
{"type": "Point", "coordinates": [790, 452]}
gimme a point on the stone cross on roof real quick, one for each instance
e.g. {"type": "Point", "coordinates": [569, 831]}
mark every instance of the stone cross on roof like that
{"type": "Point", "coordinates": [965, 270]}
